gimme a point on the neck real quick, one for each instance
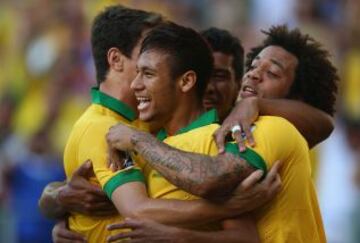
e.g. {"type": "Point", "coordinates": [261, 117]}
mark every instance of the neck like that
{"type": "Point", "coordinates": [183, 116]}
{"type": "Point", "coordinates": [119, 91]}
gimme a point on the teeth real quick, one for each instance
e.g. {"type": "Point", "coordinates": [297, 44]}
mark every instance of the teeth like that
{"type": "Point", "coordinates": [144, 102]}
{"type": "Point", "coordinates": [249, 89]}
{"type": "Point", "coordinates": [142, 99]}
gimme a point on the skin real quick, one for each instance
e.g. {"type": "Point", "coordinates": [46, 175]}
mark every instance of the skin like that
{"type": "Point", "coordinates": [271, 76]}
{"type": "Point", "coordinates": [117, 62]}
{"type": "Point", "coordinates": [222, 89]}
{"type": "Point", "coordinates": [284, 102]}
{"type": "Point", "coordinates": [153, 88]}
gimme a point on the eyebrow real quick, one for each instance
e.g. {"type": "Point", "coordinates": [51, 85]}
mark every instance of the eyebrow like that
{"type": "Point", "coordinates": [278, 64]}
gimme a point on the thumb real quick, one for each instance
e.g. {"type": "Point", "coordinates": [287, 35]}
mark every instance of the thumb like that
{"type": "Point", "coordinates": [219, 138]}
{"type": "Point", "coordinates": [85, 170]}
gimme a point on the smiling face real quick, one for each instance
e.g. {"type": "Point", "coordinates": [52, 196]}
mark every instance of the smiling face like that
{"type": "Point", "coordinates": [222, 88]}
{"type": "Point", "coordinates": [154, 88]}
{"type": "Point", "coordinates": [271, 74]}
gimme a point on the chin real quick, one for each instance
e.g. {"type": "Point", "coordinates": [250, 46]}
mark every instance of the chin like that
{"type": "Point", "coordinates": [145, 117]}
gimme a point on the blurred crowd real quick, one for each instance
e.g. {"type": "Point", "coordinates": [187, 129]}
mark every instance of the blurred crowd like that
{"type": "Point", "coordinates": [46, 71]}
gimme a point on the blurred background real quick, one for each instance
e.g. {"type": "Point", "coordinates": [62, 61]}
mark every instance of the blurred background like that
{"type": "Point", "coordinates": [46, 71]}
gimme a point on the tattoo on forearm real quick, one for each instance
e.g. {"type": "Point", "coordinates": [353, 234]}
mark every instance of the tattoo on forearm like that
{"type": "Point", "coordinates": [190, 171]}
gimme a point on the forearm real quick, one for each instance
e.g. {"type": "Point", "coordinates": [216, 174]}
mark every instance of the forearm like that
{"type": "Point", "coordinates": [228, 236]}
{"type": "Point", "coordinates": [314, 124]}
{"type": "Point", "coordinates": [197, 174]}
{"type": "Point", "coordinates": [183, 213]}
{"type": "Point", "coordinates": [48, 203]}
{"type": "Point", "coordinates": [242, 230]}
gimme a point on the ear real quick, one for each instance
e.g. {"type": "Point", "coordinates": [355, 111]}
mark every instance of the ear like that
{"type": "Point", "coordinates": [187, 81]}
{"type": "Point", "coordinates": [115, 59]}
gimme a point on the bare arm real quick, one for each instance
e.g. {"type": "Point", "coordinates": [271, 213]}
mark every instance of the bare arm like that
{"type": "Point", "coordinates": [314, 124]}
{"type": "Point", "coordinates": [247, 196]}
{"type": "Point", "coordinates": [77, 195]}
{"type": "Point", "coordinates": [48, 203]}
{"type": "Point", "coordinates": [199, 174]}
{"type": "Point", "coordinates": [241, 230]}
{"type": "Point", "coordinates": [61, 234]}
{"type": "Point", "coordinates": [183, 213]}
{"type": "Point", "coordinates": [235, 231]}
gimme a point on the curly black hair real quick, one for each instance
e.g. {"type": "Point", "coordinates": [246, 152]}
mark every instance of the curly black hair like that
{"type": "Point", "coordinates": [316, 78]}
{"type": "Point", "coordinates": [223, 41]}
{"type": "Point", "coordinates": [120, 27]}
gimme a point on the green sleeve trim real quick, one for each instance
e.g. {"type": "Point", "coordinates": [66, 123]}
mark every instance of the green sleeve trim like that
{"type": "Point", "coordinates": [121, 178]}
{"type": "Point", "coordinates": [253, 158]}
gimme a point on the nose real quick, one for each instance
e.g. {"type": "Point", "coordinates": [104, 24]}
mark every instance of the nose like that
{"type": "Point", "coordinates": [137, 83]}
{"type": "Point", "coordinates": [210, 88]}
{"type": "Point", "coordinates": [254, 74]}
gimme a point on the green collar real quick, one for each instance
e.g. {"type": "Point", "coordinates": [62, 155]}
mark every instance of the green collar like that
{"type": "Point", "coordinates": [205, 119]}
{"type": "Point", "coordinates": [111, 103]}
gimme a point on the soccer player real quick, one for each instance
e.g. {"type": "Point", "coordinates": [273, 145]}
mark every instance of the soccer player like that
{"type": "Point", "coordinates": [288, 64]}
{"type": "Point", "coordinates": [225, 81]}
{"type": "Point", "coordinates": [116, 35]}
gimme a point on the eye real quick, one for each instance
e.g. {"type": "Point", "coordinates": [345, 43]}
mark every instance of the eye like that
{"type": "Point", "coordinates": [219, 77]}
{"type": "Point", "coordinates": [148, 74]}
{"type": "Point", "coordinates": [272, 74]}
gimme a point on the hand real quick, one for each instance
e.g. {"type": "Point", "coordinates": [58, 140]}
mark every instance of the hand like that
{"type": "Point", "coordinates": [79, 195]}
{"type": "Point", "coordinates": [244, 114]}
{"type": "Point", "coordinates": [251, 193]}
{"type": "Point", "coordinates": [119, 141]}
{"type": "Point", "coordinates": [145, 231]}
{"type": "Point", "coordinates": [61, 234]}
{"type": "Point", "coordinates": [119, 137]}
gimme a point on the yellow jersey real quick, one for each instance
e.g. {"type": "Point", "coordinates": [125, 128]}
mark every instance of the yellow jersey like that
{"type": "Point", "coordinates": [197, 137]}
{"type": "Point", "coordinates": [87, 141]}
{"type": "Point", "coordinates": [294, 215]}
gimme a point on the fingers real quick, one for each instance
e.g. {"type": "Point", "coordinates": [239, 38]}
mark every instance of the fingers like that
{"type": "Point", "coordinates": [61, 234]}
{"type": "Point", "coordinates": [273, 171]}
{"type": "Point", "coordinates": [219, 137]}
{"type": "Point", "coordinates": [252, 179]}
{"type": "Point", "coordinates": [127, 223]}
{"type": "Point", "coordinates": [85, 170]}
{"type": "Point", "coordinates": [249, 136]}
{"type": "Point", "coordinates": [115, 159]}
{"type": "Point", "coordinates": [240, 140]}
{"type": "Point", "coordinates": [273, 180]}
{"type": "Point", "coordinates": [122, 235]}
{"type": "Point", "coordinates": [102, 207]}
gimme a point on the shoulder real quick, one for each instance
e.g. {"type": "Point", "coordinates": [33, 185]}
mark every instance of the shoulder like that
{"type": "Point", "coordinates": [277, 127]}
{"type": "Point", "coordinates": [276, 138]}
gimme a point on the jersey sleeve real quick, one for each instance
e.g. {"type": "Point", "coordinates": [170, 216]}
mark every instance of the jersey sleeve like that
{"type": "Point", "coordinates": [95, 148]}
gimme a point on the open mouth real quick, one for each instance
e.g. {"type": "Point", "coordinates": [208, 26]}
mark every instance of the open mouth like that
{"type": "Point", "coordinates": [248, 91]}
{"type": "Point", "coordinates": [144, 102]}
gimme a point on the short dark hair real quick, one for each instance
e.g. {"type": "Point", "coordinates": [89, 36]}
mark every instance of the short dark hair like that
{"type": "Point", "coordinates": [120, 27]}
{"type": "Point", "coordinates": [187, 49]}
{"type": "Point", "coordinates": [223, 41]}
{"type": "Point", "coordinates": [315, 79]}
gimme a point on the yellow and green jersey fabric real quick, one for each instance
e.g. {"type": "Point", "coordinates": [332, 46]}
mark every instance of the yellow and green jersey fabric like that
{"type": "Point", "coordinates": [294, 215]}
{"type": "Point", "coordinates": [197, 137]}
{"type": "Point", "coordinates": [87, 141]}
